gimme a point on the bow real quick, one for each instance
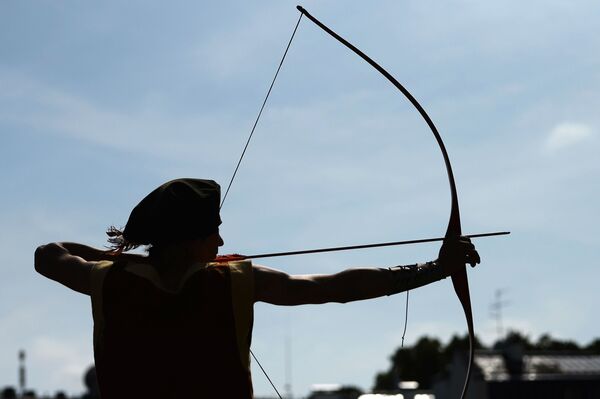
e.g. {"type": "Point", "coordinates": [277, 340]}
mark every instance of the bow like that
{"type": "Point", "coordinates": [453, 232]}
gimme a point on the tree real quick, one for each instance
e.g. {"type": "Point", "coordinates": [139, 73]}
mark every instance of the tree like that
{"type": "Point", "coordinates": [514, 338]}
{"type": "Point", "coordinates": [594, 346]}
{"type": "Point", "coordinates": [547, 343]}
{"type": "Point", "coordinates": [9, 393]}
{"type": "Point", "coordinates": [428, 358]}
{"type": "Point", "coordinates": [420, 363]}
{"type": "Point", "coordinates": [459, 344]}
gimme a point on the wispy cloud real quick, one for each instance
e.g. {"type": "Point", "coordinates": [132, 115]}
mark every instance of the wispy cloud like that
{"type": "Point", "coordinates": [52, 361]}
{"type": "Point", "coordinates": [233, 51]}
{"type": "Point", "coordinates": [64, 360]}
{"type": "Point", "coordinates": [567, 134]}
{"type": "Point", "coordinates": [29, 103]}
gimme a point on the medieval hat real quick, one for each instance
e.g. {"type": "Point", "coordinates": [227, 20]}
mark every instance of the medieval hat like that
{"type": "Point", "coordinates": [178, 210]}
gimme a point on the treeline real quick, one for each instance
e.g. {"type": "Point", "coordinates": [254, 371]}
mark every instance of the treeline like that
{"type": "Point", "coordinates": [428, 357]}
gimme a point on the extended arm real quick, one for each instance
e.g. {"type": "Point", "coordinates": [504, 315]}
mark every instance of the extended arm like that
{"type": "Point", "coordinates": [276, 287]}
{"type": "Point", "coordinates": [279, 288]}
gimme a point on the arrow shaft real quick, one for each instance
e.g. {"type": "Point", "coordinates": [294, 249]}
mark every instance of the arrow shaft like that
{"type": "Point", "coordinates": [365, 246]}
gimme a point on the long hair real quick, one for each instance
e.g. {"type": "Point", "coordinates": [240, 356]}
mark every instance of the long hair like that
{"type": "Point", "coordinates": [117, 242]}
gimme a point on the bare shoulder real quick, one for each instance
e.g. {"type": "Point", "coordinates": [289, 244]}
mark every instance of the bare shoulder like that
{"type": "Point", "coordinates": [261, 271]}
{"type": "Point", "coordinates": [270, 284]}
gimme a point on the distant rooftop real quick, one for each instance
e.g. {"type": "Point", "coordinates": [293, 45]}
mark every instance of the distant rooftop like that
{"type": "Point", "coordinates": [539, 366]}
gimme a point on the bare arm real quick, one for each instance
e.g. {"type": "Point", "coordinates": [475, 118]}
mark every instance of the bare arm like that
{"type": "Point", "coordinates": [70, 263]}
{"type": "Point", "coordinates": [278, 288]}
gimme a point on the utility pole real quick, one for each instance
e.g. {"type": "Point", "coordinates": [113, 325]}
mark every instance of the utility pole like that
{"type": "Point", "coordinates": [22, 376]}
{"type": "Point", "coordinates": [288, 366]}
{"type": "Point", "coordinates": [496, 311]}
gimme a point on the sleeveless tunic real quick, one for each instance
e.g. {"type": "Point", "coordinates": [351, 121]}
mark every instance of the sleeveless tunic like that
{"type": "Point", "coordinates": [191, 343]}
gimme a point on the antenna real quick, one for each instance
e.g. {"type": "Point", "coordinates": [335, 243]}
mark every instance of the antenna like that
{"type": "Point", "coordinates": [496, 310]}
{"type": "Point", "coordinates": [288, 367]}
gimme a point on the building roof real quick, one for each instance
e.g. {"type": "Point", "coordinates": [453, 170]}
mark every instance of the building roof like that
{"type": "Point", "coordinates": [539, 366]}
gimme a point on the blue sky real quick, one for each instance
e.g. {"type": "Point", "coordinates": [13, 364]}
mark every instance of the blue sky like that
{"type": "Point", "coordinates": [102, 102]}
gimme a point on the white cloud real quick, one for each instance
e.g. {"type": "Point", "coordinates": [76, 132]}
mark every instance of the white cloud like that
{"type": "Point", "coordinates": [64, 362]}
{"type": "Point", "coordinates": [567, 134]}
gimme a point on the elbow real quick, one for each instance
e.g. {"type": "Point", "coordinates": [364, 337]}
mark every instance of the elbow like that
{"type": "Point", "coordinates": [42, 257]}
{"type": "Point", "coordinates": [38, 258]}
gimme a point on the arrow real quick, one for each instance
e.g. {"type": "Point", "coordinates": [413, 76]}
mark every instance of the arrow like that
{"type": "Point", "coordinates": [347, 248]}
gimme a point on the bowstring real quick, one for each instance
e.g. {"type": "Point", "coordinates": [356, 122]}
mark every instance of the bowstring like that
{"type": "Point", "coordinates": [265, 373]}
{"type": "Point", "coordinates": [262, 107]}
{"type": "Point", "coordinates": [405, 320]}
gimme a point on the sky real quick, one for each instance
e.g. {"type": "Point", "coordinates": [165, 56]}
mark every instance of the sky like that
{"type": "Point", "coordinates": [102, 102]}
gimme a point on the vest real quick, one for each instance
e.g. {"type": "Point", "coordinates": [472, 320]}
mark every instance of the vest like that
{"type": "Point", "coordinates": [190, 343]}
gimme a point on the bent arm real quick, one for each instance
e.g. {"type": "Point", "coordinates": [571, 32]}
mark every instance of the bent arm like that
{"type": "Point", "coordinates": [68, 263]}
{"type": "Point", "coordinates": [278, 288]}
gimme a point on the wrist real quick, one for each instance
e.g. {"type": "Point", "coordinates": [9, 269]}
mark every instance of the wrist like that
{"type": "Point", "coordinates": [403, 278]}
{"type": "Point", "coordinates": [448, 267]}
